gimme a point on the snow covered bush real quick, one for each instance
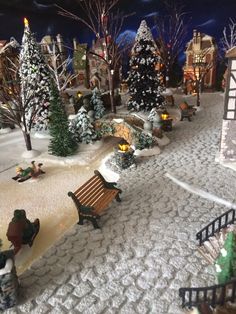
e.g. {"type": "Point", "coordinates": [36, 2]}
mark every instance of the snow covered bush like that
{"type": "Point", "coordinates": [81, 127]}
{"type": "Point", "coordinates": [97, 104]}
{"type": "Point", "coordinates": [144, 141]}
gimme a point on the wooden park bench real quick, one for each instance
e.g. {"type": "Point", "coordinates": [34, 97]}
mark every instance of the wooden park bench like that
{"type": "Point", "coordinates": [93, 197]}
{"type": "Point", "coordinates": [186, 111]}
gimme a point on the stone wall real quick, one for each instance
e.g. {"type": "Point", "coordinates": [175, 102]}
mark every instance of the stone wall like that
{"type": "Point", "coordinates": [8, 284]}
{"type": "Point", "coordinates": [228, 141]}
{"type": "Point", "coordinates": [123, 129]}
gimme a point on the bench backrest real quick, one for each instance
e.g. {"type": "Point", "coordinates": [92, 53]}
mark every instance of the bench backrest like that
{"type": "Point", "coordinates": [183, 106]}
{"type": "Point", "coordinates": [90, 191]}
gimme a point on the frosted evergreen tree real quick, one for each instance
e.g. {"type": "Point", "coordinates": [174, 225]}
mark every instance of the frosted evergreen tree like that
{"type": "Point", "coordinates": [81, 127]}
{"type": "Point", "coordinates": [62, 142]}
{"type": "Point", "coordinates": [154, 117]}
{"type": "Point", "coordinates": [97, 104]}
{"type": "Point", "coordinates": [34, 74]}
{"type": "Point", "coordinates": [226, 262]}
{"type": "Point", "coordinates": [144, 80]}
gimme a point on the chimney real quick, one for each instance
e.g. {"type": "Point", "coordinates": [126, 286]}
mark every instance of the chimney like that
{"type": "Point", "coordinates": [194, 36]}
{"type": "Point", "coordinates": [74, 43]}
{"type": "Point", "coordinates": [60, 42]}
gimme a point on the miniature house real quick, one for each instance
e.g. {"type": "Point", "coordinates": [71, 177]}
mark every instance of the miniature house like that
{"type": "Point", "coordinates": [97, 66]}
{"type": "Point", "coordinates": [80, 63]}
{"type": "Point", "coordinates": [228, 135]}
{"type": "Point", "coordinates": [48, 45]}
{"type": "Point", "coordinates": [201, 45]}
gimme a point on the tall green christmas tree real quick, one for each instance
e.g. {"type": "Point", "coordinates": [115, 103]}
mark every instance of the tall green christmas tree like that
{"type": "Point", "coordinates": [97, 104]}
{"type": "Point", "coordinates": [81, 127]}
{"type": "Point", "coordinates": [226, 262]}
{"type": "Point", "coordinates": [61, 142]}
{"type": "Point", "coordinates": [35, 78]}
{"type": "Point", "coordinates": [144, 80]}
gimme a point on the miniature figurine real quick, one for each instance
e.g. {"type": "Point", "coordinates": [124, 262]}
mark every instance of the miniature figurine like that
{"type": "Point", "coordinates": [21, 230]}
{"type": "Point", "coordinates": [30, 172]}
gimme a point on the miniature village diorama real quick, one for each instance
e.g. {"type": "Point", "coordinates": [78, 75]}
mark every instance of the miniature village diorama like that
{"type": "Point", "coordinates": [75, 102]}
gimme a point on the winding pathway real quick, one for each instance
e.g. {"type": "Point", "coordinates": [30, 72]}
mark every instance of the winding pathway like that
{"type": "Point", "coordinates": [146, 248]}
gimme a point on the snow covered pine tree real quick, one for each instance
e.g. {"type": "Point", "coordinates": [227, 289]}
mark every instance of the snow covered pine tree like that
{"type": "Point", "coordinates": [226, 262]}
{"type": "Point", "coordinates": [62, 142]}
{"type": "Point", "coordinates": [34, 74]}
{"type": "Point", "coordinates": [97, 104]}
{"type": "Point", "coordinates": [81, 127]}
{"type": "Point", "coordinates": [143, 80]}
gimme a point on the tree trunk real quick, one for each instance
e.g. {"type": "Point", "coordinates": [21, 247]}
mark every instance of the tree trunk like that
{"type": "Point", "coordinates": [27, 140]}
{"type": "Point", "coordinates": [111, 89]}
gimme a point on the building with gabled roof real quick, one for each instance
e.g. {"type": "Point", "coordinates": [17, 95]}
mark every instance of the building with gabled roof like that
{"type": "Point", "coordinates": [204, 47]}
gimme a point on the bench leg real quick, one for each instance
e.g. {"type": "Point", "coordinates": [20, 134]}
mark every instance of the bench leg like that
{"type": "Point", "coordinates": [92, 219]}
{"type": "Point", "coordinates": [94, 222]}
{"type": "Point", "coordinates": [80, 222]}
{"type": "Point", "coordinates": [118, 199]}
{"type": "Point", "coordinates": [189, 118]}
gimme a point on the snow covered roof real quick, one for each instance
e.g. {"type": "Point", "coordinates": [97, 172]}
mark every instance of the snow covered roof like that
{"type": "Point", "coordinates": [231, 53]}
{"type": "Point", "coordinates": [207, 41]}
{"type": "Point", "coordinates": [3, 43]}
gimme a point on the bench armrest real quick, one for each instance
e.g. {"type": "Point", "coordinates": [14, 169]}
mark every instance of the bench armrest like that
{"type": "Point", "coordinates": [108, 185]}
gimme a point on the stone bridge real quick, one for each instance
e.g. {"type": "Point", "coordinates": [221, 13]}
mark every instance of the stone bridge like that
{"type": "Point", "coordinates": [123, 126]}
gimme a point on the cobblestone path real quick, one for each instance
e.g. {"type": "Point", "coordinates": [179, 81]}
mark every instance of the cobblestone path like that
{"type": "Point", "coordinates": [146, 248]}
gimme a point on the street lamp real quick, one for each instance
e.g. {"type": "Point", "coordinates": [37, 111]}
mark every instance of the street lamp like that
{"type": "Point", "coordinates": [199, 67]}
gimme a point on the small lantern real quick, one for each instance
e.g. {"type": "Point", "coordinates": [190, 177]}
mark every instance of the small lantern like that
{"type": "Point", "coordinates": [124, 155]}
{"type": "Point", "coordinates": [123, 146]}
{"type": "Point", "coordinates": [166, 121]}
{"type": "Point", "coordinates": [79, 94]}
{"type": "Point", "coordinates": [165, 115]}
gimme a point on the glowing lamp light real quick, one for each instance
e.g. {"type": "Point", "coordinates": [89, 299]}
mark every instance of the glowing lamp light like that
{"type": "Point", "coordinates": [123, 146]}
{"type": "Point", "coordinates": [79, 94]}
{"type": "Point", "coordinates": [26, 22]}
{"type": "Point", "coordinates": [165, 115]}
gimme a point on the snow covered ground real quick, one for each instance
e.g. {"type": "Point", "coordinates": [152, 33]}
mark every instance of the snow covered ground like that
{"type": "Point", "coordinates": [45, 197]}
{"type": "Point", "coordinates": [146, 248]}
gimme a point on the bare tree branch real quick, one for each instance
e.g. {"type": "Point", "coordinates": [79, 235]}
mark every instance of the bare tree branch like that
{"type": "Point", "coordinates": [229, 36]}
{"type": "Point", "coordinates": [15, 107]}
{"type": "Point", "coordinates": [106, 25]}
{"type": "Point", "coordinates": [172, 30]}
{"type": "Point", "coordinates": [59, 68]}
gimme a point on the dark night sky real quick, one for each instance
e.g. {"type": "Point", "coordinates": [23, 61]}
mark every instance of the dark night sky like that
{"type": "Point", "coordinates": [208, 16]}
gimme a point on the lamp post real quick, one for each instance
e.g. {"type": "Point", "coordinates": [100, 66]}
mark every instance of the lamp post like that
{"type": "Point", "coordinates": [199, 71]}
